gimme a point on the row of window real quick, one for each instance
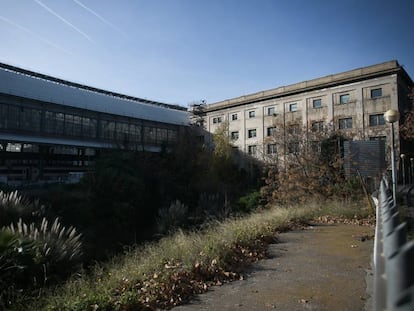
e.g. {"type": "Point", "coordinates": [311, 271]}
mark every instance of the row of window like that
{"type": "Point", "coordinates": [318, 126]}
{"type": "Point", "coordinates": [293, 107]}
{"type": "Point", "coordinates": [71, 125]}
{"type": "Point", "coordinates": [271, 149]}
{"type": "Point", "coordinates": [294, 146]}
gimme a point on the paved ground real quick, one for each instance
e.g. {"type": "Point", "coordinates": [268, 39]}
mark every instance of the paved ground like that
{"type": "Point", "coordinates": [323, 267]}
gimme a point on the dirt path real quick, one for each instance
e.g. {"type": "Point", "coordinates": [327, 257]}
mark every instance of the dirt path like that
{"type": "Point", "coordinates": [320, 268]}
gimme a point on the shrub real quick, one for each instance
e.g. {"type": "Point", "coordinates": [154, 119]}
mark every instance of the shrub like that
{"type": "Point", "coordinates": [33, 252]}
{"type": "Point", "coordinates": [172, 217]}
{"type": "Point", "coordinates": [249, 202]}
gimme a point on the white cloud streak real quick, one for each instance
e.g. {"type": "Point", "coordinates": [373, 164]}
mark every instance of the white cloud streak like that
{"type": "Point", "coordinates": [64, 20]}
{"type": "Point", "coordinates": [102, 19]}
{"type": "Point", "coordinates": [28, 31]}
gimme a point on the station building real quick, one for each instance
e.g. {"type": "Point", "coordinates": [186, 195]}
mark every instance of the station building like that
{"type": "Point", "coordinates": [351, 103]}
{"type": "Point", "coordinates": [51, 129]}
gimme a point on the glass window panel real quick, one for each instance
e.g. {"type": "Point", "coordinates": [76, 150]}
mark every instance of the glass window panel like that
{"type": "Point", "coordinates": [14, 117]}
{"type": "Point", "coordinates": [149, 134]}
{"type": "Point", "coordinates": [234, 135]}
{"type": "Point", "coordinates": [345, 123]}
{"type": "Point", "coordinates": [344, 98]}
{"type": "Point", "coordinates": [172, 135]}
{"type": "Point", "coordinates": [69, 124]}
{"type": "Point", "coordinates": [317, 103]}
{"type": "Point", "coordinates": [122, 131]}
{"type": "Point", "coordinates": [376, 92]}
{"type": "Point", "coordinates": [162, 135]}
{"type": "Point", "coordinates": [49, 125]}
{"type": "Point", "coordinates": [252, 149]}
{"type": "Point", "coordinates": [271, 131]}
{"type": "Point", "coordinates": [251, 133]}
{"type": "Point", "coordinates": [271, 111]}
{"type": "Point", "coordinates": [271, 149]}
{"type": "Point", "coordinates": [59, 123]}
{"type": "Point", "coordinates": [3, 115]}
{"type": "Point", "coordinates": [77, 126]}
{"type": "Point", "coordinates": [293, 107]}
{"type": "Point", "coordinates": [376, 120]}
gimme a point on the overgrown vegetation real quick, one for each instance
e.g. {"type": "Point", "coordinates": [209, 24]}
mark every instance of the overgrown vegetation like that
{"type": "Point", "coordinates": [308, 164]}
{"type": "Point", "coordinates": [33, 252]}
{"type": "Point", "coordinates": [168, 272]}
{"type": "Point", "coordinates": [206, 213]}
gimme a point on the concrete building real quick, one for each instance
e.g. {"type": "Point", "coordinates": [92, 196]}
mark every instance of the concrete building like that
{"type": "Point", "coordinates": [351, 103]}
{"type": "Point", "coordinates": [51, 129]}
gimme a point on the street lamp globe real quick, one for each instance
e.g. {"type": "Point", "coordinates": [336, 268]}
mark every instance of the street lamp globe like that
{"type": "Point", "coordinates": [391, 116]}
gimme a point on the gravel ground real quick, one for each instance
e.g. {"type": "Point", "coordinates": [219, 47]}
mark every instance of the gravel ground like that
{"type": "Point", "coordinates": [321, 267]}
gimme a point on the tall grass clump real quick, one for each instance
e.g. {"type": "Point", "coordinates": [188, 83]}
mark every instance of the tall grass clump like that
{"type": "Point", "coordinates": [33, 252]}
{"type": "Point", "coordinates": [165, 273]}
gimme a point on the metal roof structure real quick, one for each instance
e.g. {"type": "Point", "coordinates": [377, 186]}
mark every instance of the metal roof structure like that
{"type": "Point", "coordinates": [23, 83]}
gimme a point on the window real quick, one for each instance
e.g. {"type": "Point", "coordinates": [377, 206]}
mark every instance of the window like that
{"type": "Point", "coordinates": [344, 99]}
{"type": "Point", "coordinates": [252, 114]}
{"type": "Point", "coordinates": [60, 123]}
{"type": "Point", "coordinates": [30, 119]}
{"type": "Point", "coordinates": [251, 150]}
{"type": "Point", "coordinates": [293, 129]}
{"type": "Point", "coordinates": [77, 125]}
{"type": "Point", "coordinates": [107, 129]}
{"type": "Point", "coordinates": [293, 107]}
{"type": "Point", "coordinates": [293, 147]}
{"type": "Point", "coordinates": [271, 111]}
{"type": "Point", "coordinates": [345, 123]}
{"type": "Point", "coordinates": [135, 132]}
{"type": "Point", "coordinates": [14, 117]}
{"type": "Point", "coordinates": [251, 133]}
{"type": "Point", "coordinates": [376, 120]}
{"type": "Point", "coordinates": [89, 126]}
{"type": "Point", "coordinates": [315, 146]}
{"type": "Point", "coordinates": [150, 134]}
{"type": "Point", "coordinates": [162, 135]}
{"type": "Point", "coordinates": [376, 93]}
{"type": "Point", "coordinates": [216, 120]}
{"type": "Point", "coordinates": [122, 132]}
{"type": "Point", "coordinates": [234, 117]}
{"type": "Point", "coordinates": [234, 135]}
{"type": "Point", "coordinates": [317, 103]}
{"type": "Point", "coordinates": [69, 124]}
{"type": "Point", "coordinates": [173, 135]}
{"type": "Point", "coordinates": [318, 126]}
{"type": "Point", "coordinates": [271, 149]}
{"type": "Point", "coordinates": [270, 131]}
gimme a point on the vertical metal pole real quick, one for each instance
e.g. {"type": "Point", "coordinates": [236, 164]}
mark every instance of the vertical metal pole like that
{"type": "Point", "coordinates": [394, 171]}
{"type": "Point", "coordinates": [403, 170]}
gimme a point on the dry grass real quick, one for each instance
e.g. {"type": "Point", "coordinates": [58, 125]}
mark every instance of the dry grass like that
{"type": "Point", "coordinates": [167, 272]}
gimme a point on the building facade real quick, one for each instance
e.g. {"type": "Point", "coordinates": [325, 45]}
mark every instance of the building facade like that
{"type": "Point", "coordinates": [351, 103]}
{"type": "Point", "coordinates": [51, 129]}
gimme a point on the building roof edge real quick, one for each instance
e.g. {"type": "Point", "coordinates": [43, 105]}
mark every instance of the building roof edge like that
{"type": "Point", "coordinates": [350, 76]}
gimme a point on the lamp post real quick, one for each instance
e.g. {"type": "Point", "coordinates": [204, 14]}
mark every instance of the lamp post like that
{"type": "Point", "coordinates": [392, 116]}
{"type": "Point", "coordinates": [402, 156]}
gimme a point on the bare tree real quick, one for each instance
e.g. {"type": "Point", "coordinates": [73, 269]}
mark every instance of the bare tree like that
{"type": "Point", "coordinates": [407, 127]}
{"type": "Point", "coordinates": [307, 163]}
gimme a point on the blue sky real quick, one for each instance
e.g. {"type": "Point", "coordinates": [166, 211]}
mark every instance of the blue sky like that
{"type": "Point", "coordinates": [180, 51]}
